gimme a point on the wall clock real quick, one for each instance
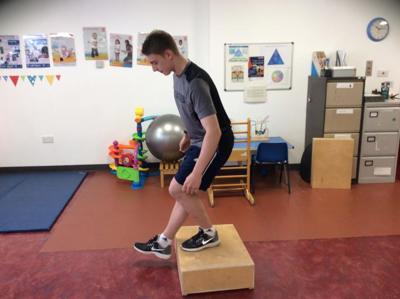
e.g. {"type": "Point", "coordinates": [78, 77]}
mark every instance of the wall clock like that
{"type": "Point", "coordinates": [378, 29]}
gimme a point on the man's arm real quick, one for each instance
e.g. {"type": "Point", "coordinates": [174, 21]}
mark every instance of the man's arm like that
{"type": "Point", "coordinates": [208, 149]}
{"type": "Point", "coordinates": [210, 143]}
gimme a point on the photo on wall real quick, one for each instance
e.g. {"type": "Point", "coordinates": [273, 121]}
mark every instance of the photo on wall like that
{"type": "Point", "coordinates": [141, 59]}
{"type": "Point", "coordinates": [237, 73]}
{"type": "Point", "coordinates": [256, 67]}
{"type": "Point", "coordinates": [63, 49]}
{"type": "Point", "coordinates": [121, 50]}
{"type": "Point", "coordinates": [180, 40]}
{"type": "Point", "coordinates": [182, 44]}
{"type": "Point", "coordinates": [95, 43]}
{"type": "Point", "coordinates": [10, 53]}
{"type": "Point", "coordinates": [36, 51]}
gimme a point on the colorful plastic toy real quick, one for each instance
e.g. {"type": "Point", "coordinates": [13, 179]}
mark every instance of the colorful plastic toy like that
{"type": "Point", "coordinates": [129, 160]}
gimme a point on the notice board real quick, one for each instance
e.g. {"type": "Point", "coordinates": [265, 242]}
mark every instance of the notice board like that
{"type": "Point", "coordinates": [270, 63]}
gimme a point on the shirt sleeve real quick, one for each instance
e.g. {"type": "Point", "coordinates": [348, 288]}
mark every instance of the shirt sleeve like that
{"type": "Point", "coordinates": [201, 98]}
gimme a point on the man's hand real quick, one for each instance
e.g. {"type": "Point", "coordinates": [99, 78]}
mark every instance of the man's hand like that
{"type": "Point", "coordinates": [192, 184]}
{"type": "Point", "coordinates": [184, 143]}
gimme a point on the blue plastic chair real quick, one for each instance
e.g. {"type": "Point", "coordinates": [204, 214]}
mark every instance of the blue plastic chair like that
{"type": "Point", "coordinates": [274, 153]}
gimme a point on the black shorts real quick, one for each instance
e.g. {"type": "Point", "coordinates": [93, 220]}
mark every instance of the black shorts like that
{"type": "Point", "coordinates": [219, 159]}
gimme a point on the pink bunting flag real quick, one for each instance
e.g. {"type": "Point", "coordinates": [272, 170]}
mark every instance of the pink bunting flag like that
{"type": "Point", "coordinates": [58, 77]}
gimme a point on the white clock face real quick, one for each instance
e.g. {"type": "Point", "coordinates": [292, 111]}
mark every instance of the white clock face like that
{"type": "Point", "coordinates": [378, 29]}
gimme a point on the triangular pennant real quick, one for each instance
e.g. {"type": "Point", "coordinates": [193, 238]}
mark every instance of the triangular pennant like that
{"type": "Point", "coordinates": [41, 77]}
{"type": "Point", "coordinates": [22, 77]}
{"type": "Point", "coordinates": [5, 78]}
{"type": "Point", "coordinates": [32, 79]}
{"type": "Point", "coordinates": [58, 77]}
{"type": "Point", "coordinates": [14, 79]}
{"type": "Point", "coordinates": [50, 79]}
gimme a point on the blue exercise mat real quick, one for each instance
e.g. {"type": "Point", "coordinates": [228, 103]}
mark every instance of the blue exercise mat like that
{"type": "Point", "coordinates": [33, 201]}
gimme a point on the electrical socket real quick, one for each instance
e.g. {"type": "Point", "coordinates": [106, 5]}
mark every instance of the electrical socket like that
{"type": "Point", "coordinates": [48, 139]}
{"type": "Point", "coordinates": [383, 73]}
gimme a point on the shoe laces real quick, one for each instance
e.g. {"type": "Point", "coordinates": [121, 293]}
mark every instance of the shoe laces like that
{"type": "Point", "coordinates": [152, 241]}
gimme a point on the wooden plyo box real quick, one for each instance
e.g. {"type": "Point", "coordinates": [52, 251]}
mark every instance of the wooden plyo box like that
{"type": "Point", "coordinates": [225, 267]}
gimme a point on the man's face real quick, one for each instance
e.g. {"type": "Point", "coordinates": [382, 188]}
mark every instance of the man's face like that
{"type": "Point", "coordinates": [161, 63]}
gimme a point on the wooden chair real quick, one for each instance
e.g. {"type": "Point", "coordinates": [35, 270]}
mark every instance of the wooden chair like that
{"type": "Point", "coordinates": [167, 168]}
{"type": "Point", "coordinates": [238, 162]}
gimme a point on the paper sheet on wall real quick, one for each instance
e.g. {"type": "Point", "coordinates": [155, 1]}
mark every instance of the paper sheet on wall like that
{"type": "Point", "coordinates": [255, 92]}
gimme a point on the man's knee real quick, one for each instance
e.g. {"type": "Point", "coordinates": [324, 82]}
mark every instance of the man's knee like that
{"type": "Point", "coordinates": [175, 189]}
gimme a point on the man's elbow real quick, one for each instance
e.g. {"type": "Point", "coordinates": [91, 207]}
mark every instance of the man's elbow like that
{"type": "Point", "coordinates": [218, 133]}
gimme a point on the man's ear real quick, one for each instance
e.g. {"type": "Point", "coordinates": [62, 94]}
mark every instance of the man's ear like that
{"type": "Point", "coordinates": [169, 54]}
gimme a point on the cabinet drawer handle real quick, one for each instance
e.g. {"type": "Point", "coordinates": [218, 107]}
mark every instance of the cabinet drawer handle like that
{"type": "Point", "coordinates": [373, 114]}
{"type": "Point", "coordinates": [371, 139]}
{"type": "Point", "coordinates": [369, 163]}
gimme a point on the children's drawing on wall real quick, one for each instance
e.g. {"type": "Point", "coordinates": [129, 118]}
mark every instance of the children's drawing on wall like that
{"type": "Point", "coordinates": [182, 44]}
{"type": "Point", "coordinates": [121, 50]}
{"type": "Point", "coordinates": [256, 67]}
{"type": "Point", "coordinates": [63, 49]}
{"type": "Point", "coordinates": [95, 43]}
{"type": "Point", "coordinates": [10, 54]}
{"type": "Point", "coordinates": [36, 51]}
{"type": "Point", "coordinates": [141, 59]}
{"type": "Point", "coordinates": [237, 73]}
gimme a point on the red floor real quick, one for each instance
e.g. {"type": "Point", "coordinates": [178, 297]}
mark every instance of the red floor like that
{"type": "Point", "coordinates": [358, 267]}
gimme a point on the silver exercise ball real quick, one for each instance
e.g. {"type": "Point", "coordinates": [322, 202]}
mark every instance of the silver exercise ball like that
{"type": "Point", "coordinates": [163, 136]}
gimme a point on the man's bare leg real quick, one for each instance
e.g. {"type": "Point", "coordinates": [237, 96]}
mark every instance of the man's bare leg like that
{"type": "Point", "coordinates": [185, 205]}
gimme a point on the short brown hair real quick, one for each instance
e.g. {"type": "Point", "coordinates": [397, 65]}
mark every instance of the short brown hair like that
{"type": "Point", "coordinates": [157, 42]}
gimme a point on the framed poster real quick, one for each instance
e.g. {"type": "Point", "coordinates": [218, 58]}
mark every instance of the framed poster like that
{"type": "Point", "coordinates": [268, 63]}
{"type": "Point", "coordinates": [36, 51]}
{"type": "Point", "coordinates": [63, 49]}
{"type": "Point", "coordinates": [10, 53]}
{"type": "Point", "coordinates": [95, 43]}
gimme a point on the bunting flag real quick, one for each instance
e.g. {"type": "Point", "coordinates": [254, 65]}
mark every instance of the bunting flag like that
{"type": "Point", "coordinates": [50, 79]}
{"type": "Point", "coordinates": [32, 79]}
{"type": "Point", "coordinates": [14, 79]}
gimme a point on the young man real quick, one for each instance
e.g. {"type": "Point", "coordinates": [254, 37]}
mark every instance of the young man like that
{"type": "Point", "coordinates": [207, 143]}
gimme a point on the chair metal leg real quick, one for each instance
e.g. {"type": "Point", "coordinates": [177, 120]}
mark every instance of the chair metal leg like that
{"type": "Point", "coordinates": [287, 176]}
{"type": "Point", "coordinates": [280, 175]}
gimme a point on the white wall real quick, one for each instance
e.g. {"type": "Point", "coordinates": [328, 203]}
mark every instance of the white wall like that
{"type": "Point", "coordinates": [90, 107]}
{"type": "Point", "coordinates": [312, 25]}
